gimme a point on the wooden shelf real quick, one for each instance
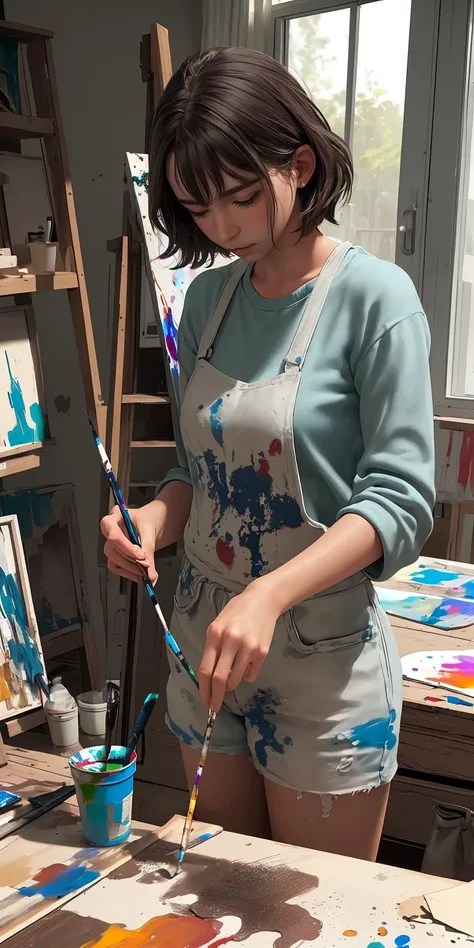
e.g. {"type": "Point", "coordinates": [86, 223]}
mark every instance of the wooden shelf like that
{"type": "Point", "coordinates": [8, 453]}
{"type": "Point", "coordinates": [62, 641]}
{"type": "Point", "coordinates": [22, 32]}
{"type": "Point", "coordinates": [455, 424]}
{"type": "Point", "coordinates": [153, 444]}
{"type": "Point", "coordinates": [26, 462]}
{"type": "Point", "coordinates": [38, 282]}
{"type": "Point", "coordinates": [24, 126]}
{"type": "Point", "coordinates": [137, 399]}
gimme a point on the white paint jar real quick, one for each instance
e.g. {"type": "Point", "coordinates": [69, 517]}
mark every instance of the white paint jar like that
{"type": "Point", "coordinates": [43, 256]}
{"type": "Point", "coordinates": [63, 726]}
{"type": "Point", "coordinates": [92, 712]}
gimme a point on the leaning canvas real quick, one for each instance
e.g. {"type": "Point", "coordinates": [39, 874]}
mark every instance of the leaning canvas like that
{"type": "Point", "coordinates": [21, 657]}
{"type": "Point", "coordinates": [23, 420]}
{"type": "Point", "coordinates": [168, 283]}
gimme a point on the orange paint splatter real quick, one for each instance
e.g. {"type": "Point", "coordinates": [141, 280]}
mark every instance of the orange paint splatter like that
{"type": "Point", "coordinates": [350, 933]}
{"type": "Point", "coordinates": [5, 683]}
{"type": "Point", "coordinates": [49, 872]}
{"type": "Point", "coordinates": [382, 931]}
{"type": "Point", "coordinates": [165, 931]}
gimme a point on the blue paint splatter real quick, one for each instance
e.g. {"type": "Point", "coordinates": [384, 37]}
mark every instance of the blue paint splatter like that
{"type": "Point", "coordinates": [453, 699]}
{"type": "Point", "coordinates": [170, 332]}
{"type": "Point", "coordinates": [376, 944]}
{"type": "Point", "coordinates": [261, 706]}
{"type": "Point", "coordinates": [433, 577]}
{"type": "Point", "coordinates": [186, 579]}
{"type": "Point", "coordinates": [141, 181]}
{"type": "Point", "coordinates": [377, 733]}
{"type": "Point", "coordinates": [216, 422]}
{"type": "Point", "coordinates": [250, 494]}
{"type": "Point", "coordinates": [184, 736]}
{"type": "Point", "coordinates": [402, 941]}
{"type": "Point", "coordinates": [66, 882]}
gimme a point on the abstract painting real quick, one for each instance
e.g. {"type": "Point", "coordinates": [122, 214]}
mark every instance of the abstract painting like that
{"type": "Point", "coordinates": [168, 284]}
{"type": "Point", "coordinates": [49, 529]}
{"type": "Point", "coordinates": [443, 613]}
{"type": "Point", "coordinates": [23, 420]}
{"type": "Point", "coordinates": [453, 669]}
{"type": "Point", "coordinates": [458, 584]}
{"type": "Point", "coordinates": [21, 657]}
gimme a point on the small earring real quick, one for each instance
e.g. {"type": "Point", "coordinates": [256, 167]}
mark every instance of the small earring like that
{"type": "Point", "coordinates": [303, 184]}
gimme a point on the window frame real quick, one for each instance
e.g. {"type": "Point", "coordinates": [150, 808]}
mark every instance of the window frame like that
{"type": "Point", "coordinates": [432, 146]}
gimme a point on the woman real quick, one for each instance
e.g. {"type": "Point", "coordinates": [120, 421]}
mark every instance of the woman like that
{"type": "Point", "coordinates": [306, 462]}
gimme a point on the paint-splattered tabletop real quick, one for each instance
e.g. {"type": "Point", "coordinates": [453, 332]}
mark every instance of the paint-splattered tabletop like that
{"type": "Point", "coordinates": [264, 895]}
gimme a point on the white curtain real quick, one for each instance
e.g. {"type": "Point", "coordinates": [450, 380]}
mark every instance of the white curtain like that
{"type": "Point", "coordinates": [237, 23]}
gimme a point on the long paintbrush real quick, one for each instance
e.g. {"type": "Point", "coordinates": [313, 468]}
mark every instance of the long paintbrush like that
{"type": "Point", "coordinates": [140, 725]}
{"type": "Point", "coordinates": [134, 538]}
{"type": "Point", "coordinates": [171, 641]}
{"type": "Point", "coordinates": [193, 799]}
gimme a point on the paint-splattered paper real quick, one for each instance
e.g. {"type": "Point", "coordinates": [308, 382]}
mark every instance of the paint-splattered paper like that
{"type": "Point", "coordinates": [439, 576]}
{"type": "Point", "coordinates": [22, 416]}
{"type": "Point", "coordinates": [443, 613]}
{"type": "Point", "coordinates": [453, 669]}
{"type": "Point", "coordinates": [21, 657]}
{"type": "Point", "coordinates": [168, 285]}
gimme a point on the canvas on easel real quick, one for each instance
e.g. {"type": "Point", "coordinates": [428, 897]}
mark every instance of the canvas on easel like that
{"type": "Point", "coordinates": [23, 420]}
{"type": "Point", "coordinates": [21, 656]}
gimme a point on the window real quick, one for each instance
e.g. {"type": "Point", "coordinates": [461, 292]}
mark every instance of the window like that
{"type": "Point", "coordinates": [396, 79]}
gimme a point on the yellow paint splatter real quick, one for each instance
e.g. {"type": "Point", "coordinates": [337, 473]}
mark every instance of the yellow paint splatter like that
{"type": "Point", "coordinates": [350, 933]}
{"type": "Point", "coordinates": [165, 931]}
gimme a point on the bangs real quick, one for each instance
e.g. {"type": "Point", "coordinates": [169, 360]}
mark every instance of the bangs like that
{"type": "Point", "coordinates": [202, 161]}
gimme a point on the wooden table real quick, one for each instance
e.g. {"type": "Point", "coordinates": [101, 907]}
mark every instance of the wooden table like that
{"type": "Point", "coordinates": [250, 885]}
{"type": "Point", "coordinates": [436, 753]}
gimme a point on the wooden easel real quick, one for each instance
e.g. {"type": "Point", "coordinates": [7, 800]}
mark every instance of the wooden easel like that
{"type": "Point", "coordinates": [41, 119]}
{"type": "Point", "coordinates": [125, 398]}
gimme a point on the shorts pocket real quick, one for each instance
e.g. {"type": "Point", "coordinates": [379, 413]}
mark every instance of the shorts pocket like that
{"type": "Point", "coordinates": [333, 621]}
{"type": "Point", "coordinates": [189, 588]}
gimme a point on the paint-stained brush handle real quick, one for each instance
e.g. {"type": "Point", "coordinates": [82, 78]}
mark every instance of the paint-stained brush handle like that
{"type": "Point", "coordinates": [141, 723]}
{"type": "Point", "coordinates": [134, 538]}
{"type": "Point", "coordinates": [194, 793]}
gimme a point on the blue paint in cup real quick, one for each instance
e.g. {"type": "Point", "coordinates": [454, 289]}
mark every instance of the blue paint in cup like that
{"type": "Point", "coordinates": [104, 795]}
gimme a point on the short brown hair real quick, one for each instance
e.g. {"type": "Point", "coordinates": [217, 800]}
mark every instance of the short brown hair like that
{"type": "Point", "coordinates": [235, 110]}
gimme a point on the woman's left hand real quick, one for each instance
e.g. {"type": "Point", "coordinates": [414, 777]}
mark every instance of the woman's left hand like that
{"type": "Point", "coordinates": [237, 643]}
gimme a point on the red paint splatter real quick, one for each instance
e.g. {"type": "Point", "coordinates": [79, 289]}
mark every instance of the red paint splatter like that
{"type": "Point", "coordinates": [263, 466]}
{"type": "Point", "coordinates": [225, 551]}
{"type": "Point", "coordinates": [433, 699]}
{"type": "Point", "coordinates": [275, 447]}
{"type": "Point", "coordinates": [466, 462]}
{"type": "Point", "coordinates": [49, 872]}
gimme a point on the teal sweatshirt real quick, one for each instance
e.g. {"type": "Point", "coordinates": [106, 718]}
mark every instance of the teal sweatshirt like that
{"type": "Point", "coordinates": [363, 421]}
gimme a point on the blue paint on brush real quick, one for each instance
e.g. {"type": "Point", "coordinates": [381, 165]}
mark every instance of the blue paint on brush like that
{"type": "Point", "coordinates": [454, 699]}
{"type": "Point", "coordinates": [66, 882]}
{"type": "Point", "coordinates": [217, 428]}
{"type": "Point", "coordinates": [258, 712]}
{"type": "Point", "coordinates": [377, 733]}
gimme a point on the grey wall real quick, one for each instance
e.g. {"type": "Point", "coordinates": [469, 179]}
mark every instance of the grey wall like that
{"type": "Point", "coordinates": [96, 50]}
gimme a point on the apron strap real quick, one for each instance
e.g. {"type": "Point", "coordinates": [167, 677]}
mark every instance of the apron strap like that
{"type": "Point", "coordinates": [309, 320]}
{"type": "Point", "coordinates": [228, 290]}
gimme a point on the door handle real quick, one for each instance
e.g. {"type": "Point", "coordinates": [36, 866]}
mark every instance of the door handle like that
{"type": "Point", "coordinates": [407, 231]}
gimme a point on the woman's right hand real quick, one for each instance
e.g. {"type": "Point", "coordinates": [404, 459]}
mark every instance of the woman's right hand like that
{"type": "Point", "coordinates": [123, 557]}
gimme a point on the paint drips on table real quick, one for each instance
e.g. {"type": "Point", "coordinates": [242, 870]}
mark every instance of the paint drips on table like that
{"type": "Point", "coordinates": [259, 894]}
{"type": "Point", "coordinates": [165, 931]}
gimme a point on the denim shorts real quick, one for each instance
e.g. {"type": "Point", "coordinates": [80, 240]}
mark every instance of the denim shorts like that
{"type": "Point", "coordinates": [324, 714]}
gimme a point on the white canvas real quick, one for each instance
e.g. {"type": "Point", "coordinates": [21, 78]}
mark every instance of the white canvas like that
{"type": "Point", "coordinates": [21, 656]}
{"type": "Point", "coordinates": [22, 419]}
{"type": "Point", "coordinates": [168, 286]}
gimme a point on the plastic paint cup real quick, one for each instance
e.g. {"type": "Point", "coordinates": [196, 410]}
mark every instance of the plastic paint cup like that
{"type": "Point", "coordinates": [104, 795]}
{"type": "Point", "coordinates": [43, 256]}
{"type": "Point", "coordinates": [92, 712]}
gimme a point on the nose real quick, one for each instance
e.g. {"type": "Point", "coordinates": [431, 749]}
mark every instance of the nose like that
{"type": "Point", "coordinates": [227, 230]}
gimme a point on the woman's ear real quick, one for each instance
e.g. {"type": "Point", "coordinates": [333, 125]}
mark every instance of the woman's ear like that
{"type": "Point", "coordinates": [304, 163]}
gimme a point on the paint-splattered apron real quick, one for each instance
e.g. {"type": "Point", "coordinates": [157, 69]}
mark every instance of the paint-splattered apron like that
{"type": "Point", "coordinates": [323, 715]}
